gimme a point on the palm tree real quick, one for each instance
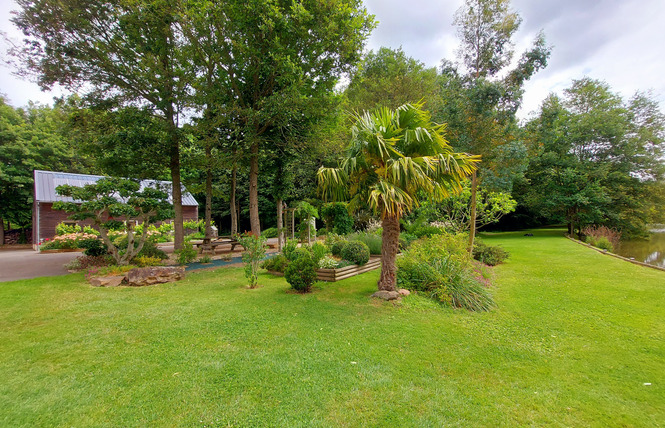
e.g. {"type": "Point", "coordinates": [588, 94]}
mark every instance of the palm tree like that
{"type": "Point", "coordinates": [395, 158]}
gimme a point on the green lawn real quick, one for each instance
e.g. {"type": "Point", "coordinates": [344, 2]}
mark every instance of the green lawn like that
{"type": "Point", "coordinates": [574, 339]}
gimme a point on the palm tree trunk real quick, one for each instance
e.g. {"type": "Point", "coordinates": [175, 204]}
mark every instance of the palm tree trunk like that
{"type": "Point", "coordinates": [389, 249]}
{"type": "Point", "coordinates": [472, 220]}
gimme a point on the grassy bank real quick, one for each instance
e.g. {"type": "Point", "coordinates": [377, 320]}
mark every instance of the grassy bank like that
{"type": "Point", "coordinates": [574, 339]}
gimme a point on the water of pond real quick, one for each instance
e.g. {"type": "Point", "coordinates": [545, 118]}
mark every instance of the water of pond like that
{"type": "Point", "coordinates": [650, 251]}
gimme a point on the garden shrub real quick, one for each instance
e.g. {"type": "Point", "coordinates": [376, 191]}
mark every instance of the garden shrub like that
{"type": "Point", "coordinates": [319, 250]}
{"type": "Point", "coordinates": [356, 252]}
{"type": "Point", "coordinates": [143, 261]}
{"type": "Point", "coordinates": [270, 232]}
{"type": "Point", "coordinates": [289, 247]}
{"type": "Point", "coordinates": [150, 249]}
{"type": "Point", "coordinates": [336, 248]}
{"type": "Point", "coordinates": [440, 266]}
{"type": "Point", "coordinates": [93, 247]}
{"type": "Point", "coordinates": [186, 254]}
{"type": "Point", "coordinates": [65, 229]}
{"type": "Point", "coordinates": [372, 240]}
{"type": "Point", "coordinates": [205, 259]}
{"type": "Point", "coordinates": [327, 262]}
{"type": "Point", "coordinates": [277, 263]}
{"type": "Point", "coordinates": [344, 263]}
{"type": "Point", "coordinates": [301, 272]}
{"type": "Point", "coordinates": [405, 240]}
{"type": "Point", "coordinates": [426, 231]}
{"type": "Point", "coordinates": [255, 251]}
{"type": "Point", "coordinates": [336, 217]}
{"type": "Point", "coordinates": [604, 244]}
{"type": "Point", "coordinates": [490, 255]}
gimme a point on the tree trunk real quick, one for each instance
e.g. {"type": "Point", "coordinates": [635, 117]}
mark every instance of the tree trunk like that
{"type": "Point", "coordinates": [254, 189]}
{"type": "Point", "coordinates": [280, 225]}
{"type": "Point", "coordinates": [472, 219]}
{"type": "Point", "coordinates": [2, 232]}
{"type": "Point", "coordinates": [233, 209]}
{"type": "Point", "coordinates": [389, 250]}
{"type": "Point", "coordinates": [176, 187]}
{"type": "Point", "coordinates": [208, 209]}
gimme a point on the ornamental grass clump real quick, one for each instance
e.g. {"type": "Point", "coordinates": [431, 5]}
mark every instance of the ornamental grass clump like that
{"type": "Point", "coordinates": [441, 267]}
{"type": "Point", "coordinates": [602, 237]}
{"type": "Point", "coordinates": [372, 240]}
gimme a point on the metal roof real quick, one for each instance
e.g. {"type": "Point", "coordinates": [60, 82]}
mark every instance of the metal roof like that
{"type": "Point", "coordinates": [47, 181]}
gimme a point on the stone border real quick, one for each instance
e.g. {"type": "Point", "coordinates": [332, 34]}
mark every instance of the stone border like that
{"type": "Point", "coordinates": [635, 262]}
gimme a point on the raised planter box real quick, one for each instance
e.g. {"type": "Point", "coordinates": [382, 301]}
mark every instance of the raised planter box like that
{"type": "Point", "coordinates": [332, 275]}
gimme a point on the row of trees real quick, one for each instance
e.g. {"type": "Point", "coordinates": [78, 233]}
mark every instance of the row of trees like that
{"type": "Point", "coordinates": [249, 77]}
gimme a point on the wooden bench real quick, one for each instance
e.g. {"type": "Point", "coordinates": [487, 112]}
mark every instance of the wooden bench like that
{"type": "Point", "coordinates": [213, 244]}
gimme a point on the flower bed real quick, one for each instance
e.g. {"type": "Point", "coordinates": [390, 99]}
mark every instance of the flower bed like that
{"type": "Point", "coordinates": [70, 242]}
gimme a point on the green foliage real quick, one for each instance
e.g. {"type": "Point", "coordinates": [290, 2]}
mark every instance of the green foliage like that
{"type": "Point", "coordinates": [337, 246]}
{"type": "Point", "coordinates": [440, 266]}
{"type": "Point", "coordinates": [150, 249]}
{"type": "Point", "coordinates": [206, 258]}
{"type": "Point", "coordinates": [255, 250]}
{"type": "Point", "coordinates": [319, 250]}
{"type": "Point", "coordinates": [405, 240]}
{"type": "Point", "coordinates": [93, 247]}
{"type": "Point", "coordinates": [301, 271]}
{"type": "Point", "coordinates": [356, 252]}
{"type": "Point", "coordinates": [344, 263]}
{"type": "Point", "coordinates": [337, 218]}
{"type": "Point", "coordinates": [388, 77]}
{"type": "Point", "coordinates": [276, 263]}
{"type": "Point", "coordinates": [289, 248]}
{"type": "Point", "coordinates": [64, 229]}
{"type": "Point", "coordinates": [604, 244]}
{"type": "Point", "coordinates": [372, 240]}
{"type": "Point", "coordinates": [490, 255]}
{"type": "Point", "coordinates": [602, 237]}
{"type": "Point", "coordinates": [270, 232]}
{"type": "Point", "coordinates": [186, 254]}
{"type": "Point", "coordinates": [144, 261]}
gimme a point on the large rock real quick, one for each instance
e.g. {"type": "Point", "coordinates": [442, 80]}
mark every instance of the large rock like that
{"type": "Point", "coordinates": [140, 277]}
{"type": "Point", "coordinates": [404, 292]}
{"type": "Point", "coordinates": [106, 281]}
{"type": "Point", "coordinates": [386, 295]}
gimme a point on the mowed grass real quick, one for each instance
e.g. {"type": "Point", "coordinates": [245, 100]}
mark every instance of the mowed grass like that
{"type": "Point", "coordinates": [575, 337]}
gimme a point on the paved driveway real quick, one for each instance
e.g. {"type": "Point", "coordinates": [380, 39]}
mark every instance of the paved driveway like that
{"type": "Point", "coordinates": [24, 264]}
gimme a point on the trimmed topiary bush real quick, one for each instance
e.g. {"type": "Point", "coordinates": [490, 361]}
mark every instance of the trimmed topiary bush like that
{"type": "Point", "coordinates": [301, 271]}
{"type": "Point", "coordinates": [93, 247]}
{"type": "Point", "coordinates": [356, 252]}
{"type": "Point", "coordinates": [336, 248]}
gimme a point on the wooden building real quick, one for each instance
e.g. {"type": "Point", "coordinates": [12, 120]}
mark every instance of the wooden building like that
{"type": "Point", "coordinates": [45, 218]}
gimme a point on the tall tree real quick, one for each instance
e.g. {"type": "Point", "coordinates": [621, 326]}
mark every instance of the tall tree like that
{"type": "Point", "coordinates": [269, 58]}
{"type": "Point", "coordinates": [390, 78]}
{"type": "Point", "coordinates": [394, 158]}
{"type": "Point", "coordinates": [598, 158]}
{"type": "Point", "coordinates": [121, 51]}
{"type": "Point", "coordinates": [480, 106]}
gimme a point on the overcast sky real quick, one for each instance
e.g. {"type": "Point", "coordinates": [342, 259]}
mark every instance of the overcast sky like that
{"type": "Point", "coordinates": [619, 41]}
